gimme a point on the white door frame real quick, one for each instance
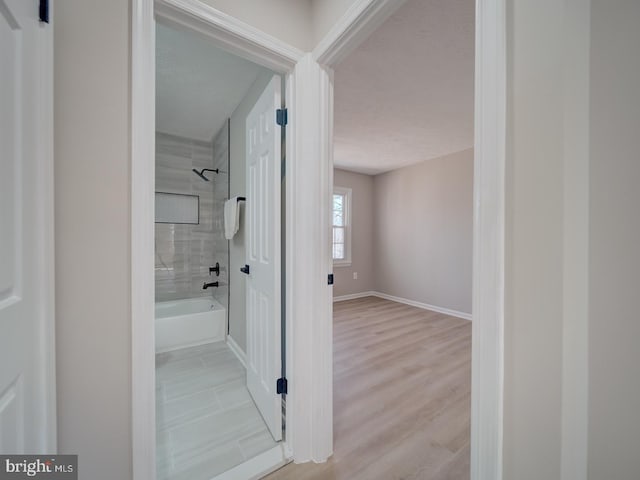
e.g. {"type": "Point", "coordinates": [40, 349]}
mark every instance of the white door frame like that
{"type": "Point", "coordinates": [355, 26]}
{"type": "Point", "coordinates": [309, 94]}
{"type": "Point", "coordinates": [302, 160]}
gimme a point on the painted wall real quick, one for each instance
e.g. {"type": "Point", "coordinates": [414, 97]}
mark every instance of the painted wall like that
{"type": "Point", "coordinates": [362, 214]}
{"type": "Point", "coordinates": [614, 238]}
{"type": "Point", "coordinates": [423, 231]}
{"type": "Point", "coordinates": [324, 14]}
{"type": "Point", "coordinates": [412, 232]}
{"type": "Point", "coordinates": [92, 254]}
{"type": "Point", "coordinates": [238, 186]}
{"type": "Point", "coordinates": [534, 236]}
{"type": "Point", "coordinates": [288, 20]}
{"type": "Point", "coordinates": [572, 236]}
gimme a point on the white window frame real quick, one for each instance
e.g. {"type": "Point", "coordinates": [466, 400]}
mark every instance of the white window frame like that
{"type": "Point", "coordinates": [348, 212]}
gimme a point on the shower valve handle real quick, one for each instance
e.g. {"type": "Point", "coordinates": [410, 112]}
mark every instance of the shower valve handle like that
{"type": "Point", "coordinates": [215, 269]}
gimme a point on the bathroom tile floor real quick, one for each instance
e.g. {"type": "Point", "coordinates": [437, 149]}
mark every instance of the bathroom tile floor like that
{"type": "Point", "coordinates": [206, 420]}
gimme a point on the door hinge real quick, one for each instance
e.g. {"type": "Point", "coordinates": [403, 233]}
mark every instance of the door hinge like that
{"type": "Point", "coordinates": [282, 117]}
{"type": "Point", "coordinates": [330, 279]}
{"type": "Point", "coordinates": [44, 11]}
{"type": "Point", "coordinates": [281, 385]}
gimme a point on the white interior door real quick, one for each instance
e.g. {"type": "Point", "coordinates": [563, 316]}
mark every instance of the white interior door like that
{"type": "Point", "coordinates": [27, 381]}
{"type": "Point", "coordinates": [263, 256]}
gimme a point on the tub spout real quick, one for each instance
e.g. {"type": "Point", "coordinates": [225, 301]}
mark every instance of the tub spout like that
{"type": "Point", "coordinates": [211, 284]}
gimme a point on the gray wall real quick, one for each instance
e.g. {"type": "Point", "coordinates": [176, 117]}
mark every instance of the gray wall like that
{"type": "Point", "coordinates": [423, 234]}
{"type": "Point", "coordinates": [237, 167]}
{"type": "Point", "coordinates": [92, 254]}
{"type": "Point", "coordinates": [325, 14]}
{"type": "Point", "coordinates": [288, 20]}
{"type": "Point", "coordinates": [534, 240]}
{"type": "Point", "coordinates": [413, 232]}
{"type": "Point", "coordinates": [571, 383]}
{"type": "Point", "coordinates": [614, 241]}
{"type": "Point", "coordinates": [362, 259]}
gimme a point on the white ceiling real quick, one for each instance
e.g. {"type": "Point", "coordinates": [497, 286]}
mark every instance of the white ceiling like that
{"type": "Point", "coordinates": [406, 94]}
{"type": "Point", "coordinates": [198, 86]}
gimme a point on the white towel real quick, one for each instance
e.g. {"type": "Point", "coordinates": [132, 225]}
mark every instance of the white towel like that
{"type": "Point", "coordinates": [231, 217]}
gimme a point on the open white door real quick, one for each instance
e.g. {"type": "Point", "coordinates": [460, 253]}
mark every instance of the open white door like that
{"type": "Point", "coordinates": [263, 256]}
{"type": "Point", "coordinates": [27, 382]}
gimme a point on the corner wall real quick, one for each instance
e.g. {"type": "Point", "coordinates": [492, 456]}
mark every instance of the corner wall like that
{"type": "Point", "coordinates": [288, 20]}
{"type": "Point", "coordinates": [423, 231]}
{"type": "Point", "coordinates": [325, 13]}
{"type": "Point", "coordinates": [534, 316]}
{"type": "Point", "coordinates": [614, 241]}
{"type": "Point", "coordinates": [412, 232]}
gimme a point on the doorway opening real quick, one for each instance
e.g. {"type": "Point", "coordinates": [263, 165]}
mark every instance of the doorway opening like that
{"type": "Point", "coordinates": [218, 322]}
{"type": "Point", "coordinates": [308, 346]}
{"type": "Point", "coordinates": [402, 247]}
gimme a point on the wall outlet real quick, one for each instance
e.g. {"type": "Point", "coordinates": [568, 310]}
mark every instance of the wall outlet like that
{"type": "Point", "coordinates": [355, 275]}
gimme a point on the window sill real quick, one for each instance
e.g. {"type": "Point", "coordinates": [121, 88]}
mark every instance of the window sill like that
{"type": "Point", "coordinates": [342, 263]}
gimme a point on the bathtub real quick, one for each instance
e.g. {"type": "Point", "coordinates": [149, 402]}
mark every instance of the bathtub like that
{"type": "Point", "coordinates": [190, 322]}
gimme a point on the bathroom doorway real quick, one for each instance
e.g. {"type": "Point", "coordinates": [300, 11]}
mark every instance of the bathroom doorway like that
{"type": "Point", "coordinates": [218, 321]}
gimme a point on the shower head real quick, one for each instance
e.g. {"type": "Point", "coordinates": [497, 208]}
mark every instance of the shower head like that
{"type": "Point", "coordinates": [200, 173]}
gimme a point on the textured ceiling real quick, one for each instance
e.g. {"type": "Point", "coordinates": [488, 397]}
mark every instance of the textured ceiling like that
{"type": "Point", "coordinates": [198, 86]}
{"type": "Point", "coordinates": [406, 94]}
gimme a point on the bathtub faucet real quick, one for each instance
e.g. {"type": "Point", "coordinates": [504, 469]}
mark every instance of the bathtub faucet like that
{"type": "Point", "coordinates": [207, 285]}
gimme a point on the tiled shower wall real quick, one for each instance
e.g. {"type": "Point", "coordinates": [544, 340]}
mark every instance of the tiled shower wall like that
{"type": "Point", "coordinates": [184, 253]}
{"type": "Point", "coordinates": [220, 195]}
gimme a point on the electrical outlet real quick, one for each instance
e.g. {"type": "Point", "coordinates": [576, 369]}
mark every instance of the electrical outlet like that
{"type": "Point", "coordinates": [355, 275]}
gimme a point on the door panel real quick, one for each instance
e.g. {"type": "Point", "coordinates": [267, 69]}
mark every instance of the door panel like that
{"type": "Point", "coordinates": [10, 81]}
{"type": "Point", "coordinates": [263, 256]}
{"type": "Point", "coordinates": [26, 262]}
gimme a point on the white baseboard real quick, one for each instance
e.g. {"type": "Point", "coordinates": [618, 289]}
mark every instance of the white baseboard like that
{"type": "Point", "coordinates": [188, 345]}
{"type": "Point", "coordinates": [425, 306]}
{"type": "Point", "coordinates": [235, 348]}
{"type": "Point", "coordinates": [413, 303]}
{"type": "Point", "coordinates": [353, 296]}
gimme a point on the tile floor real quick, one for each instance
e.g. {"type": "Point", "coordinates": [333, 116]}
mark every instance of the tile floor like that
{"type": "Point", "coordinates": [206, 420]}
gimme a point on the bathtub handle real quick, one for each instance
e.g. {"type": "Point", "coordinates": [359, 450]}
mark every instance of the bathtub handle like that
{"type": "Point", "coordinates": [215, 269]}
{"type": "Point", "coordinates": [245, 269]}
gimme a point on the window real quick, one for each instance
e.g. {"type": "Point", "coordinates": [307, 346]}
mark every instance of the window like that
{"type": "Point", "coordinates": [341, 226]}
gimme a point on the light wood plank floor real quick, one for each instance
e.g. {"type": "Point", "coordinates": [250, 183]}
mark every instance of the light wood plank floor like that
{"type": "Point", "coordinates": [402, 388]}
{"type": "Point", "coordinates": [206, 420]}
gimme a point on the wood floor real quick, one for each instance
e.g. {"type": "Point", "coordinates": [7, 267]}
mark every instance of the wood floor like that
{"type": "Point", "coordinates": [206, 420]}
{"type": "Point", "coordinates": [402, 388]}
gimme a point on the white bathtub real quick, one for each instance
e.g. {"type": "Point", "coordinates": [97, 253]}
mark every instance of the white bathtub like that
{"type": "Point", "coordinates": [187, 323]}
